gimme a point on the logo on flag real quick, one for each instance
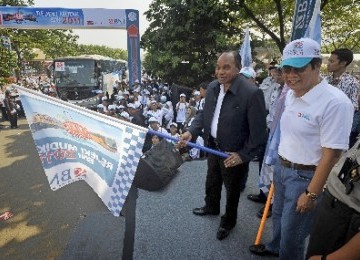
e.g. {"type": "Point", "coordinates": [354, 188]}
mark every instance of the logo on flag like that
{"type": "Point", "coordinates": [75, 144]}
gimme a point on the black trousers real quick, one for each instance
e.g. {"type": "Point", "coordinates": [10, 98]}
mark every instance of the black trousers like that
{"type": "Point", "coordinates": [335, 224]}
{"type": "Point", "coordinates": [13, 120]}
{"type": "Point", "coordinates": [234, 179]}
{"type": "Point", "coordinates": [3, 114]}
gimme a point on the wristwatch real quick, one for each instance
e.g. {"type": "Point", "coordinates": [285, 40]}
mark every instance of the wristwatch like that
{"type": "Point", "coordinates": [311, 195]}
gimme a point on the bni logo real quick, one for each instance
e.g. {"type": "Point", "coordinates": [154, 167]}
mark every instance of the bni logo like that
{"type": "Point", "coordinates": [302, 115]}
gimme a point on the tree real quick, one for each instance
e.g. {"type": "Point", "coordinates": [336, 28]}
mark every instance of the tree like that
{"type": "Point", "coordinates": [184, 38]}
{"type": "Point", "coordinates": [340, 20]}
{"type": "Point", "coordinates": [341, 26]}
{"type": "Point", "coordinates": [102, 50]}
{"type": "Point", "coordinates": [195, 31]}
{"type": "Point", "coordinates": [8, 58]}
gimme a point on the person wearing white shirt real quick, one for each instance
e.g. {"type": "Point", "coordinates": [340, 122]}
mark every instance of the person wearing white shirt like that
{"type": "Point", "coordinates": [181, 111]}
{"type": "Point", "coordinates": [314, 130]}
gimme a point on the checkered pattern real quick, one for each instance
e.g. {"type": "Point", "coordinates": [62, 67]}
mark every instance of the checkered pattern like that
{"type": "Point", "coordinates": [132, 150]}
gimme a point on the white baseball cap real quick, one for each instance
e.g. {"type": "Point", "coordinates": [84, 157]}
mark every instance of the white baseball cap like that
{"type": "Point", "coordinates": [163, 99]}
{"type": "Point", "coordinates": [300, 52]}
{"type": "Point", "coordinates": [125, 115]}
{"type": "Point", "coordinates": [182, 95]}
{"type": "Point", "coordinates": [196, 93]}
{"type": "Point", "coordinates": [135, 105]}
{"type": "Point", "coordinates": [153, 120]}
{"type": "Point", "coordinates": [111, 107]}
{"type": "Point", "coordinates": [174, 124]}
{"type": "Point", "coordinates": [248, 72]}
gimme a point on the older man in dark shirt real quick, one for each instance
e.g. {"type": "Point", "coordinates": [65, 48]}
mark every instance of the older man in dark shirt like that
{"type": "Point", "coordinates": [234, 122]}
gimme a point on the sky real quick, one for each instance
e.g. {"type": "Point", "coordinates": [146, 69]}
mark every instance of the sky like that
{"type": "Point", "coordinates": [112, 38]}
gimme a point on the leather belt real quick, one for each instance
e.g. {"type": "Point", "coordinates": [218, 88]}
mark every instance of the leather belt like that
{"type": "Point", "coordinates": [296, 166]}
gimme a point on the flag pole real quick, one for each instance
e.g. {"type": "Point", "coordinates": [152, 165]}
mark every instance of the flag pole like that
{"type": "Point", "coordinates": [193, 145]}
{"type": "Point", "coordinates": [264, 215]}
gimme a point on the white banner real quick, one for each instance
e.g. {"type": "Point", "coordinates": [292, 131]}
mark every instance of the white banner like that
{"type": "Point", "coordinates": [79, 144]}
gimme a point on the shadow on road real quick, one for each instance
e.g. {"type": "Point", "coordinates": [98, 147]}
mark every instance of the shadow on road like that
{"type": "Point", "coordinates": [43, 219]}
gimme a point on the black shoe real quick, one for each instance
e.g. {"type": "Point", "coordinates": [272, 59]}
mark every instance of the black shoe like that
{"type": "Point", "coordinates": [261, 250]}
{"type": "Point", "coordinates": [261, 212]}
{"type": "Point", "coordinates": [222, 233]}
{"type": "Point", "coordinates": [203, 211]}
{"type": "Point", "coordinates": [261, 198]}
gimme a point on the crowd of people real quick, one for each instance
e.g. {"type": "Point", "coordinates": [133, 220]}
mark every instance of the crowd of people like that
{"type": "Point", "coordinates": [149, 104]}
{"type": "Point", "coordinates": [297, 122]}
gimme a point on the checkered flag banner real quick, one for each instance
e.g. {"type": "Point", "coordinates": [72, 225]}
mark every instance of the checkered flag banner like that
{"type": "Point", "coordinates": [75, 144]}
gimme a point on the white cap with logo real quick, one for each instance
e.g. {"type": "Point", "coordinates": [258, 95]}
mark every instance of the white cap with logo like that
{"type": "Point", "coordinates": [300, 52]}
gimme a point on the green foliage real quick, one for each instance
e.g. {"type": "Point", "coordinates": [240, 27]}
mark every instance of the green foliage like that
{"type": "Point", "coordinates": [101, 50]}
{"type": "Point", "coordinates": [196, 31]}
{"type": "Point", "coordinates": [53, 43]}
{"type": "Point", "coordinates": [184, 38]}
{"type": "Point", "coordinates": [341, 26]}
{"type": "Point", "coordinates": [16, 2]}
{"type": "Point", "coordinates": [8, 59]}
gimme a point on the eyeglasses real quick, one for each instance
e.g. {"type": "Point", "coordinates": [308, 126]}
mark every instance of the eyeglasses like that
{"type": "Point", "coordinates": [288, 69]}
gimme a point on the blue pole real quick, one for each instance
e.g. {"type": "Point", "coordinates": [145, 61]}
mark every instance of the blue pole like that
{"type": "Point", "coordinates": [203, 148]}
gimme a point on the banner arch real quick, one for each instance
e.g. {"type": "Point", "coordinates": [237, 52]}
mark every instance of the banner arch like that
{"type": "Point", "coordinates": [15, 17]}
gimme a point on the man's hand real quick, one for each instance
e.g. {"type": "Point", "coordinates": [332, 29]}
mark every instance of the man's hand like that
{"type": "Point", "coordinates": [234, 159]}
{"type": "Point", "coordinates": [304, 204]}
{"type": "Point", "coordinates": [184, 138]}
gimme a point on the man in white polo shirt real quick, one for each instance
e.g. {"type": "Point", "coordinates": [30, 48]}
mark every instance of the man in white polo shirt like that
{"type": "Point", "coordinates": [315, 127]}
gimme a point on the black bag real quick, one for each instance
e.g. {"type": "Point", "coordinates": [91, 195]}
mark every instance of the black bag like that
{"type": "Point", "coordinates": [157, 166]}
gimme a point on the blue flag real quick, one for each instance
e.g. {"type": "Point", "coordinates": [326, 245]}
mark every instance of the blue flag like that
{"type": "Point", "coordinates": [313, 30]}
{"type": "Point", "coordinates": [245, 50]}
{"type": "Point", "coordinates": [304, 13]}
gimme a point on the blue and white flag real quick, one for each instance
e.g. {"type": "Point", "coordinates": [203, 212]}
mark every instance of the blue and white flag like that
{"type": "Point", "coordinates": [245, 51]}
{"type": "Point", "coordinates": [79, 144]}
{"type": "Point", "coordinates": [313, 30]}
{"type": "Point", "coordinates": [304, 11]}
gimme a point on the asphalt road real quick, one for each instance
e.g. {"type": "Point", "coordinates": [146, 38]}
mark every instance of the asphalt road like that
{"type": "Point", "coordinates": [47, 224]}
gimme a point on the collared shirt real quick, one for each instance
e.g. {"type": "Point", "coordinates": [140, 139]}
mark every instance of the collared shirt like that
{"type": "Point", "coordinates": [241, 124]}
{"type": "Point", "coordinates": [320, 118]}
{"type": "Point", "coordinates": [347, 84]}
{"type": "Point", "coordinates": [181, 112]}
{"type": "Point", "coordinates": [215, 120]}
{"type": "Point", "coordinates": [267, 86]}
{"type": "Point", "coordinates": [201, 104]}
{"type": "Point", "coordinates": [158, 114]}
{"type": "Point", "coordinates": [275, 94]}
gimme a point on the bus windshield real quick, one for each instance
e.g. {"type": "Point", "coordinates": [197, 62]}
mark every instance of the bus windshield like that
{"type": "Point", "coordinates": [76, 73]}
